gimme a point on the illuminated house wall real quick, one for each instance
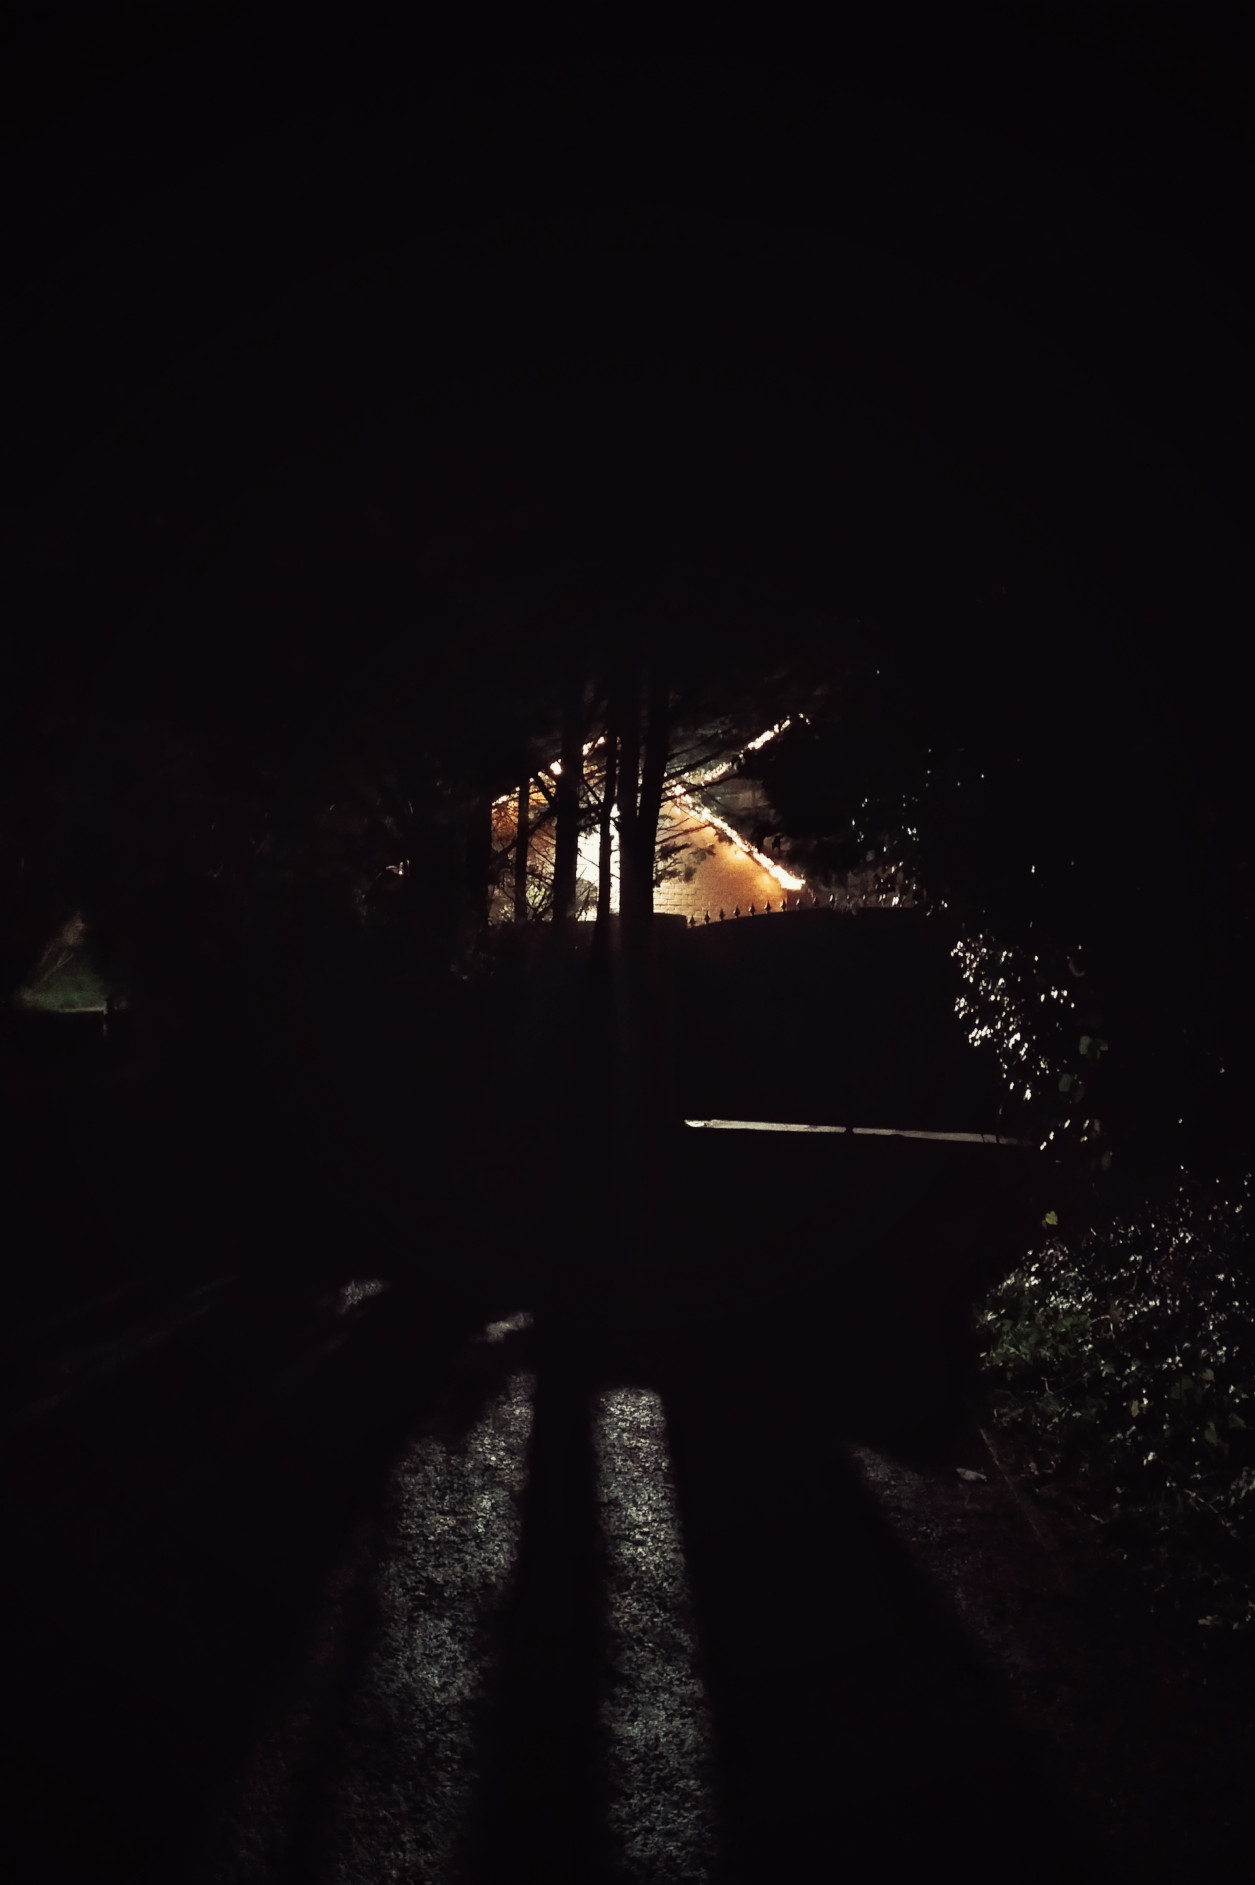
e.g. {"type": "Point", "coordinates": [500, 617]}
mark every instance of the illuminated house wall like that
{"type": "Point", "coordinates": [711, 864]}
{"type": "Point", "coordinates": [716, 859]}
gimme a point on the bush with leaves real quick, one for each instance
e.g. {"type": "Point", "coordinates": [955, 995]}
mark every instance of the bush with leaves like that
{"type": "Point", "coordinates": [1027, 1008]}
{"type": "Point", "coordinates": [1126, 1364]}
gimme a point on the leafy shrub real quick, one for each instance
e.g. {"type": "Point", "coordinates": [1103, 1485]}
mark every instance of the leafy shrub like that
{"type": "Point", "coordinates": [1127, 1363]}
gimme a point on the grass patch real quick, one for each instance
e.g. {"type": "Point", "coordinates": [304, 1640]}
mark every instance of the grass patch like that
{"type": "Point", "coordinates": [66, 979]}
{"type": "Point", "coordinates": [74, 988]}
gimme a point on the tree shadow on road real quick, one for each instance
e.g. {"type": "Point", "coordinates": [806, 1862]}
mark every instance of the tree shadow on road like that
{"type": "Point", "coordinates": [214, 1364]}
{"type": "Point", "coordinates": [185, 1517]}
{"type": "Point", "coordinates": [854, 1716]}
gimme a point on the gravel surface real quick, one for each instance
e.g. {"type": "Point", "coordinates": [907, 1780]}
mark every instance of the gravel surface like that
{"type": "Point", "coordinates": [319, 1578]}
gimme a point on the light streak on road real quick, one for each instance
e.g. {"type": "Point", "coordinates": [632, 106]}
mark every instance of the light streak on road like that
{"type": "Point", "coordinates": [370, 1771]}
{"type": "Point", "coordinates": [656, 1716]}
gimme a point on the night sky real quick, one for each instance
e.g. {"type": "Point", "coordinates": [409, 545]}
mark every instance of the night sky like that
{"type": "Point", "coordinates": [315, 309]}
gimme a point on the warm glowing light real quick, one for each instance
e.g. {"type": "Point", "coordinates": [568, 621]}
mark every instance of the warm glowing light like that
{"type": "Point", "coordinates": [784, 878]}
{"type": "Point", "coordinates": [682, 803]}
{"type": "Point", "coordinates": [771, 734]}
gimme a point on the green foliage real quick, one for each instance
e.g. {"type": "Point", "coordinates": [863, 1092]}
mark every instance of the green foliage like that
{"type": "Point", "coordinates": [1024, 1006]}
{"type": "Point", "coordinates": [67, 979]}
{"type": "Point", "coordinates": [1127, 1365]}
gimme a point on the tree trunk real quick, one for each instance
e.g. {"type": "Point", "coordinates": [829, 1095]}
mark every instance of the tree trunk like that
{"type": "Point", "coordinates": [478, 860]}
{"type": "Point", "coordinates": [605, 850]}
{"type": "Point", "coordinates": [567, 806]}
{"type": "Point", "coordinates": [629, 719]}
{"type": "Point", "coordinates": [521, 843]}
{"type": "Point", "coordinates": [657, 747]}
{"type": "Point", "coordinates": [639, 845]}
{"type": "Point", "coordinates": [640, 801]}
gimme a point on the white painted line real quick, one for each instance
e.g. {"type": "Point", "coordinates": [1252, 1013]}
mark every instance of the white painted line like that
{"type": "Point", "coordinates": [880, 1132]}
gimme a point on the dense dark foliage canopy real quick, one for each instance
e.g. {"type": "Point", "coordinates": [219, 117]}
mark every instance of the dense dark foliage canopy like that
{"type": "Point", "coordinates": [351, 400]}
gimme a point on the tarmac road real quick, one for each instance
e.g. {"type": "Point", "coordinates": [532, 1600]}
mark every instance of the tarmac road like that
{"type": "Point", "coordinates": [315, 1579]}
